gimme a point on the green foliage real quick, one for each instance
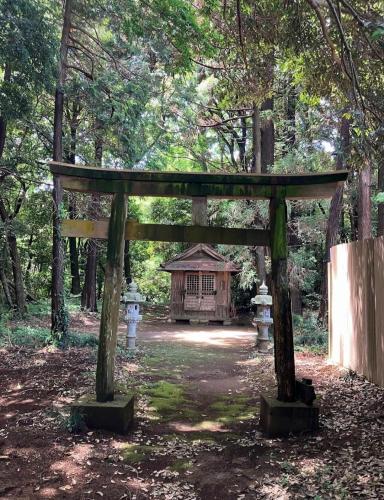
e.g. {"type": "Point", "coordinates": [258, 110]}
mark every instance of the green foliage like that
{"type": "Point", "coordinates": [309, 334]}
{"type": "Point", "coordinates": [37, 337]}
{"type": "Point", "coordinates": [28, 43]}
{"type": "Point", "coordinates": [75, 422]}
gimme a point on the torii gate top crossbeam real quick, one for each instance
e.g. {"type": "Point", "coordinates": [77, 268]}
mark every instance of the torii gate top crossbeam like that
{"type": "Point", "coordinates": [189, 184]}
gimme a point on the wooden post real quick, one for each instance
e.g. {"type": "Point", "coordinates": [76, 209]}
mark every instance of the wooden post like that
{"type": "Point", "coordinates": [199, 211]}
{"type": "Point", "coordinates": [282, 316]}
{"type": "Point", "coordinates": [111, 300]}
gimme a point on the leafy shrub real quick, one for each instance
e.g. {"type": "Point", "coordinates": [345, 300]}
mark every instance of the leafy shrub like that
{"type": "Point", "coordinates": [78, 339]}
{"type": "Point", "coordinates": [308, 332]}
{"type": "Point", "coordinates": [75, 422]}
{"type": "Point", "coordinates": [33, 336]}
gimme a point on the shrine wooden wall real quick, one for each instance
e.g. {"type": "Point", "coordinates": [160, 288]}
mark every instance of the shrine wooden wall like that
{"type": "Point", "coordinates": [356, 307]}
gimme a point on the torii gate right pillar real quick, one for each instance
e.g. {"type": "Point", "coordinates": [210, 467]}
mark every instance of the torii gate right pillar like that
{"type": "Point", "coordinates": [282, 316]}
{"type": "Point", "coordinates": [289, 412]}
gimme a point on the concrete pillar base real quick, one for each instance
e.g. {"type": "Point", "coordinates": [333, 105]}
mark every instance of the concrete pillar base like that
{"type": "Point", "coordinates": [279, 419]}
{"type": "Point", "coordinates": [115, 416]}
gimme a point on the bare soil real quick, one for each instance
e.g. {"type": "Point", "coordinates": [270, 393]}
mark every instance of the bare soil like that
{"type": "Point", "coordinates": [196, 434]}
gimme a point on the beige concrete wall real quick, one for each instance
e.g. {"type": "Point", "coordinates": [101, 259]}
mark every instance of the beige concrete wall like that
{"type": "Point", "coordinates": [356, 307]}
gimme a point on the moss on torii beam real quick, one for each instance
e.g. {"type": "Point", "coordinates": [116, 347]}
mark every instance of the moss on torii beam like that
{"type": "Point", "coordinates": [188, 184]}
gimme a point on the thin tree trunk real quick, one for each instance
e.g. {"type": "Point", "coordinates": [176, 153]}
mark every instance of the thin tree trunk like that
{"type": "Point", "coordinates": [256, 140]}
{"type": "Point", "coordinates": [89, 295]}
{"type": "Point", "coordinates": [267, 139]}
{"type": "Point", "coordinates": [4, 283]}
{"type": "Point", "coordinates": [30, 259]}
{"type": "Point", "coordinates": [73, 250]}
{"type": "Point", "coordinates": [100, 281]}
{"type": "Point", "coordinates": [259, 252]}
{"type": "Point", "coordinates": [17, 272]}
{"type": "Point", "coordinates": [15, 259]}
{"type": "Point", "coordinates": [59, 324]}
{"type": "Point", "coordinates": [127, 263]}
{"type": "Point", "coordinates": [364, 224]}
{"type": "Point", "coordinates": [3, 121]}
{"type": "Point", "coordinates": [291, 116]}
{"type": "Point", "coordinates": [335, 210]}
{"type": "Point", "coordinates": [3, 134]}
{"type": "Point", "coordinates": [380, 206]}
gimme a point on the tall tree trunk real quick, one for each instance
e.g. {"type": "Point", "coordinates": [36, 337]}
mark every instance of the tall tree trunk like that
{"type": "Point", "coordinates": [364, 224]}
{"type": "Point", "coordinates": [3, 121]}
{"type": "Point", "coordinates": [259, 252]}
{"type": "Point", "coordinates": [267, 139]}
{"type": "Point", "coordinates": [127, 263]}
{"type": "Point", "coordinates": [15, 259]}
{"type": "Point", "coordinates": [89, 295]}
{"type": "Point", "coordinates": [4, 280]}
{"type": "Point", "coordinates": [256, 140]}
{"type": "Point", "coordinates": [17, 272]}
{"type": "Point", "coordinates": [73, 251]}
{"type": "Point", "coordinates": [71, 158]}
{"type": "Point", "coordinates": [59, 323]}
{"type": "Point", "coordinates": [380, 206]}
{"type": "Point", "coordinates": [293, 239]}
{"type": "Point", "coordinates": [291, 116]}
{"type": "Point", "coordinates": [3, 134]}
{"type": "Point", "coordinates": [335, 211]}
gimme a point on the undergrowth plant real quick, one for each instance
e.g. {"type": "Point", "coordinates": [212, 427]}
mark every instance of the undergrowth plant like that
{"type": "Point", "coordinates": [34, 336]}
{"type": "Point", "coordinates": [309, 334]}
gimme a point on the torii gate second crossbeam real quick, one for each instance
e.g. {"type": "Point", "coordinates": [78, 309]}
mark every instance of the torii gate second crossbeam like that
{"type": "Point", "coordinates": [124, 183]}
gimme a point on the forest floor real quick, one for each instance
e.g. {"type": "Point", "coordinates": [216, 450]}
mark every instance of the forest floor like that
{"type": "Point", "coordinates": [196, 434]}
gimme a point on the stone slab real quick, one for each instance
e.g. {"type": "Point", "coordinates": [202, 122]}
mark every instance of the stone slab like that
{"type": "Point", "coordinates": [115, 416]}
{"type": "Point", "coordinates": [279, 419]}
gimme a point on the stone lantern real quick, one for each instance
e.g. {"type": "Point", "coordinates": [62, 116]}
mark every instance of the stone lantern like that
{"type": "Point", "coordinates": [132, 300]}
{"type": "Point", "coordinates": [263, 319]}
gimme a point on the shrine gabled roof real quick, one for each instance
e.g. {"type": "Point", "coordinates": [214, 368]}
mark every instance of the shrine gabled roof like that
{"type": "Point", "coordinates": [200, 258]}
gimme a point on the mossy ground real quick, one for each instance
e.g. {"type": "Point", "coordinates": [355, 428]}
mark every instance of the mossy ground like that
{"type": "Point", "coordinates": [168, 401]}
{"type": "Point", "coordinates": [133, 453]}
{"type": "Point", "coordinates": [232, 409]}
{"type": "Point", "coordinates": [172, 398]}
{"type": "Point", "coordinates": [181, 465]}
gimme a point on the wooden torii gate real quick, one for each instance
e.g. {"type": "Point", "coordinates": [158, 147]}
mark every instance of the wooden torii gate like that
{"type": "Point", "coordinates": [123, 183]}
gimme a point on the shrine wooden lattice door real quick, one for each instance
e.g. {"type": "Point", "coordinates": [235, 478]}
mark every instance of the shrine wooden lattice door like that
{"type": "Point", "coordinates": [200, 291]}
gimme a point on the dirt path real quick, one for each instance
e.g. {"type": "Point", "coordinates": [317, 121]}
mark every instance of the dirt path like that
{"type": "Point", "coordinates": [198, 401]}
{"type": "Point", "coordinates": [196, 434]}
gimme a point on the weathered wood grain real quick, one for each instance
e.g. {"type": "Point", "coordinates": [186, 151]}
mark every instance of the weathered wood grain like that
{"type": "Point", "coordinates": [180, 184]}
{"type": "Point", "coordinates": [282, 316]}
{"type": "Point", "coordinates": [111, 300]}
{"type": "Point", "coordinates": [163, 232]}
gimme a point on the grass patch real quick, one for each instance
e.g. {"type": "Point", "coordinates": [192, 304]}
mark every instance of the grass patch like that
{"type": "Point", "coordinates": [176, 357]}
{"type": "Point", "coordinates": [169, 402]}
{"type": "Point", "coordinates": [181, 465]}
{"type": "Point", "coordinates": [231, 409]}
{"type": "Point", "coordinates": [42, 307]}
{"type": "Point", "coordinates": [134, 453]}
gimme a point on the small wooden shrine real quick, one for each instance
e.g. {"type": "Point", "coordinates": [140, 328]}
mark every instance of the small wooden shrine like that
{"type": "Point", "coordinates": [200, 285]}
